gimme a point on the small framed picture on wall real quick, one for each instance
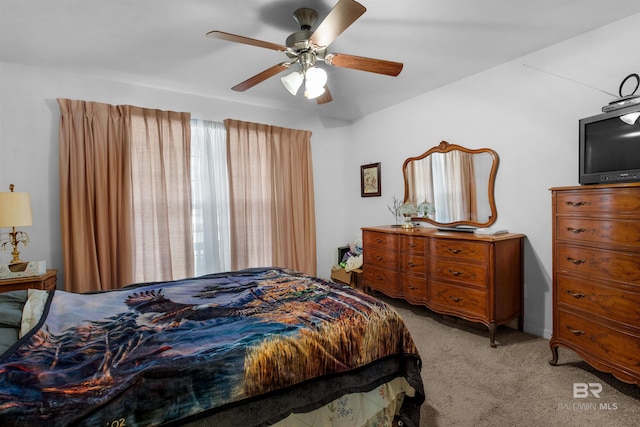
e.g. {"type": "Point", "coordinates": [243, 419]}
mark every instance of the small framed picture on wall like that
{"type": "Point", "coordinates": [370, 185]}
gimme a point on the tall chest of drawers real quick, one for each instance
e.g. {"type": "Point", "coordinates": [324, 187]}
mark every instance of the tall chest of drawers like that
{"type": "Point", "coordinates": [478, 278]}
{"type": "Point", "coordinates": [596, 276]}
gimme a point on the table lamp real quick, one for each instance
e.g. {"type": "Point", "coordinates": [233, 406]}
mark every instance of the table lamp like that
{"type": "Point", "coordinates": [15, 211]}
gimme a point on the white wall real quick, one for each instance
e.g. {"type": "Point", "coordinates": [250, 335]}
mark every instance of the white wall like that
{"type": "Point", "coordinates": [529, 117]}
{"type": "Point", "coordinates": [29, 119]}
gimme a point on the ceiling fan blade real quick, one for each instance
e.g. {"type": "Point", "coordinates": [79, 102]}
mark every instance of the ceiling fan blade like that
{"type": "Point", "coordinates": [325, 97]}
{"type": "Point", "coordinates": [260, 77]}
{"type": "Point", "coordinates": [380, 66]}
{"type": "Point", "coordinates": [343, 14]}
{"type": "Point", "coordinates": [245, 40]}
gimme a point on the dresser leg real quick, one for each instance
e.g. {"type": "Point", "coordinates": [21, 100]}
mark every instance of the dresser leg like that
{"type": "Point", "coordinates": [492, 334]}
{"type": "Point", "coordinates": [554, 354]}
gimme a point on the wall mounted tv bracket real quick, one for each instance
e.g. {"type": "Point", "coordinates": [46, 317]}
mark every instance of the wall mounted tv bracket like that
{"type": "Point", "coordinates": [624, 100]}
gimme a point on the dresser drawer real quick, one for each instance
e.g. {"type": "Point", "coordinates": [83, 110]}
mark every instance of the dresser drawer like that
{"type": "Point", "coordinates": [459, 249]}
{"type": "Point", "coordinates": [380, 240]}
{"type": "Point", "coordinates": [46, 282]}
{"type": "Point", "coordinates": [414, 289]}
{"type": "Point", "coordinates": [413, 244]}
{"type": "Point", "coordinates": [466, 274]}
{"type": "Point", "coordinates": [599, 300]}
{"type": "Point", "coordinates": [459, 299]}
{"type": "Point", "coordinates": [615, 348]}
{"type": "Point", "coordinates": [414, 264]}
{"type": "Point", "coordinates": [380, 257]}
{"type": "Point", "coordinates": [610, 200]}
{"type": "Point", "coordinates": [598, 263]}
{"type": "Point", "coordinates": [609, 231]}
{"type": "Point", "coordinates": [383, 280]}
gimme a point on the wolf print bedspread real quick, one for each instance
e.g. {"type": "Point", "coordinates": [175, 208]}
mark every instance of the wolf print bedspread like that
{"type": "Point", "coordinates": [157, 353]}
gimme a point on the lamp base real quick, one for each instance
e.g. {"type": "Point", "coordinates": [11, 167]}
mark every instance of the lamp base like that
{"type": "Point", "coordinates": [16, 254]}
{"type": "Point", "coordinates": [16, 267]}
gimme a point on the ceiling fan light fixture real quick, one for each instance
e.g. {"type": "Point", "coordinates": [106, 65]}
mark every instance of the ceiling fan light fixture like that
{"type": "Point", "coordinates": [313, 92]}
{"type": "Point", "coordinates": [315, 81]}
{"type": "Point", "coordinates": [305, 47]}
{"type": "Point", "coordinates": [292, 82]}
{"type": "Point", "coordinates": [630, 118]}
{"type": "Point", "coordinates": [315, 77]}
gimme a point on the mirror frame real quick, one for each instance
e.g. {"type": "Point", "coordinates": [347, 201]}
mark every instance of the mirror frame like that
{"type": "Point", "coordinates": [445, 147]}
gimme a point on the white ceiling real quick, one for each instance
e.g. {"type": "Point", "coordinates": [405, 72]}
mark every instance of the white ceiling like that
{"type": "Point", "coordinates": [162, 43]}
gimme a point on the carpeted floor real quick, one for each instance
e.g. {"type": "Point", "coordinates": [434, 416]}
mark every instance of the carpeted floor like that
{"type": "Point", "coordinates": [468, 383]}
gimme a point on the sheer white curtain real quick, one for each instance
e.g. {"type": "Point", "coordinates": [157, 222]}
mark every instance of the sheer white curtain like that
{"type": "Point", "coordinates": [454, 186]}
{"type": "Point", "coordinates": [210, 197]}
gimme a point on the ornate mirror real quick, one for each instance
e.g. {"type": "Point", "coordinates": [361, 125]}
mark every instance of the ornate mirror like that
{"type": "Point", "coordinates": [452, 186]}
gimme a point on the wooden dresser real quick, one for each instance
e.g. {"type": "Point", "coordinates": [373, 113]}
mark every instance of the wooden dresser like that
{"type": "Point", "coordinates": [46, 282]}
{"type": "Point", "coordinates": [478, 278]}
{"type": "Point", "coordinates": [596, 276]}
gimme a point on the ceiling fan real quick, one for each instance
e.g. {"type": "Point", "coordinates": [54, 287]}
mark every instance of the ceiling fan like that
{"type": "Point", "coordinates": [305, 47]}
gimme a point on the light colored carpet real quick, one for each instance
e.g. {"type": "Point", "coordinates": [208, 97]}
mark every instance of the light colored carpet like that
{"type": "Point", "coordinates": [468, 383]}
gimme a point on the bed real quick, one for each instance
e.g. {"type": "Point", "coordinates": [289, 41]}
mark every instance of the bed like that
{"type": "Point", "coordinates": [248, 348]}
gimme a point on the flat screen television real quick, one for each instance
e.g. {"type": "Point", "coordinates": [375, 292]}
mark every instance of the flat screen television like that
{"type": "Point", "coordinates": [610, 147]}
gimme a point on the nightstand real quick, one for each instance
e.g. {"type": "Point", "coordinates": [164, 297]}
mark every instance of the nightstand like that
{"type": "Point", "coordinates": [45, 282]}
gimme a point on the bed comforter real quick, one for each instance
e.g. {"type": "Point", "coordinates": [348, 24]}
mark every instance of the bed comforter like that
{"type": "Point", "coordinates": [244, 348]}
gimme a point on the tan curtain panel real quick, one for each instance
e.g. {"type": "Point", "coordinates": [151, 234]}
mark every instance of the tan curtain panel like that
{"type": "Point", "coordinates": [95, 199]}
{"type": "Point", "coordinates": [161, 183]}
{"type": "Point", "coordinates": [272, 199]}
{"type": "Point", "coordinates": [124, 195]}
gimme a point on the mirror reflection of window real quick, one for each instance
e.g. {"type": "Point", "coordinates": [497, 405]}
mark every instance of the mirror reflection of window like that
{"type": "Point", "coordinates": [448, 181]}
{"type": "Point", "coordinates": [457, 186]}
{"type": "Point", "coordinates": [457, 183]}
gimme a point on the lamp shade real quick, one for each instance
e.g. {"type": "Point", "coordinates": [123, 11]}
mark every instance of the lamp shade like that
{"type": "Point", "coordinates": [15, 210]}
{"type": "Point", "coordinates": [292, 82]}
{"type": "Point", "coordinates": [630, 118]}
{"type": "Point", "coordinates": [408, 209]}
{"type": "Point", "coordinates": [315, 81]}
{"type": "Point", "coordinates": [312, 92]}
{"type": "Point", "coordinates": [316, 77]}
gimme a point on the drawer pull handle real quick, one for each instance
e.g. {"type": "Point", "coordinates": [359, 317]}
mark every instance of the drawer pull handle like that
{"type": "Point", "coordinates": [379, 258]}
{"type": "Point", "coordinates": [454, 251]}
{"type": "Point", "coordinates": [576, 294]}
{"type": "Point", "coordinates": [576, 230]}
{"type": "Point", "coordinates": [576, 332]}
{"type": "Point", "coordinates": [380, 278]}
{"type": "Point", "coordinates": [455, 299]}
{"type": "Point", "coordinates": [575, 261]}
{"type": "Point", "coordinates": [379, 241]}
{"type": "Point", "coordinates": [412, 264]}
{"type": "Point", "coordinates": [455, 273]}
{"type": "Point", "coordinates": [412, 287]}
{"type": "Point", "coordinates": [575, 204]}
{"type": "Point", "coordinates": [412, 245]}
